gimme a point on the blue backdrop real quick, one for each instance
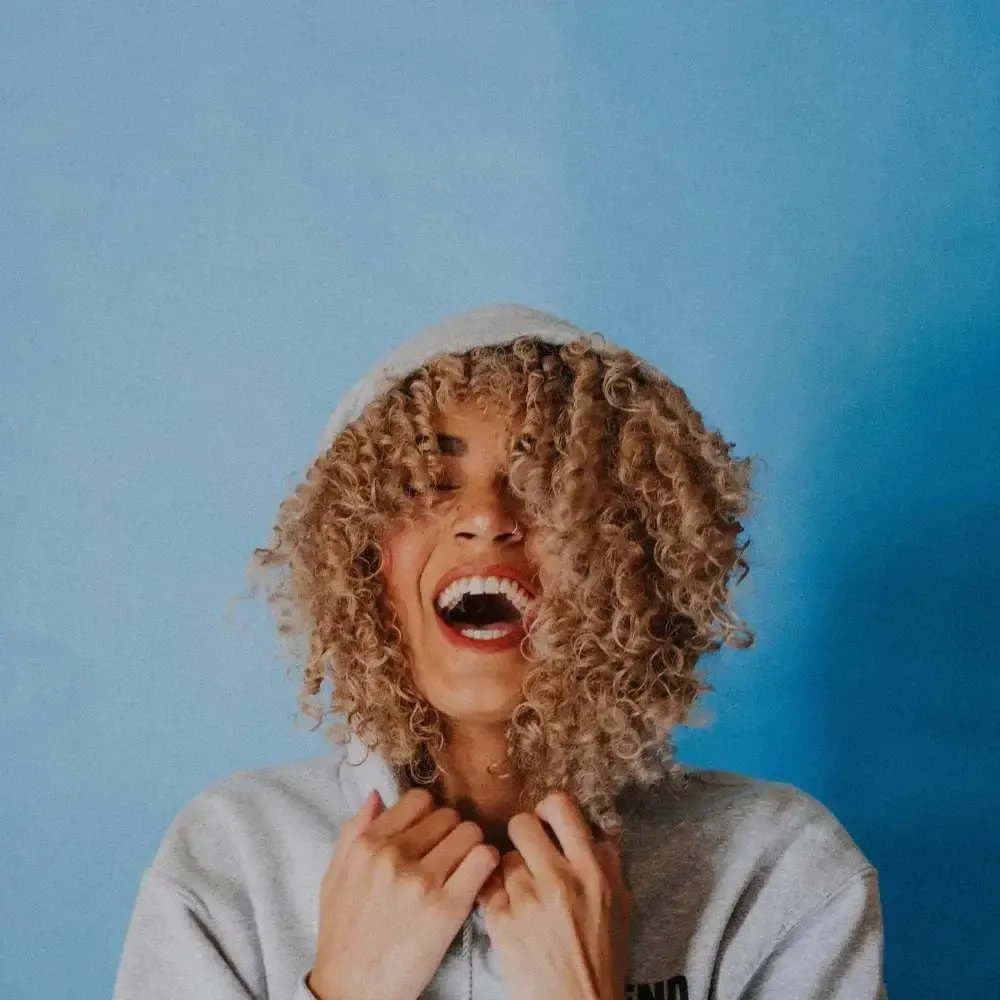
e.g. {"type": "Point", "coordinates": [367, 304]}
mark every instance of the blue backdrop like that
{"type": "Point", "coordinates": [215, 216]}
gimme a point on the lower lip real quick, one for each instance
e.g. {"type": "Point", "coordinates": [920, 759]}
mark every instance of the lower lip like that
{"type": "Point", "coordinates": [512, 640]}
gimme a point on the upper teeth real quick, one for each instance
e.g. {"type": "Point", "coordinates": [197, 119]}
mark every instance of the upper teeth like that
{"type": "Point", "coordinates": [457, 589]}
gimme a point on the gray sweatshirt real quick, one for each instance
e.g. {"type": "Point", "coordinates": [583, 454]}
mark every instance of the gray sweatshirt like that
{"type": "Point", "coordinates": [743, 889]}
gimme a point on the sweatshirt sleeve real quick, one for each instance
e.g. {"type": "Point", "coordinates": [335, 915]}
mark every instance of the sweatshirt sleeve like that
{"type": "Point", "coordinates": [172, 952]}
{"type": "Point", "coordinates": [834, 952]}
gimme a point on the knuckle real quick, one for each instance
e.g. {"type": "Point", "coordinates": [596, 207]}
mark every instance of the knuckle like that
{"type": "Point", "coordinates": [567, 891]}
{"type": "Point", "coordinates": [366, 846]}
{"type": "Point", "coordinates": [388, 860]}
{"type": "Point", "coordinates": [562, 891]}
{"type": "Point", "coordinates": [417, 882]}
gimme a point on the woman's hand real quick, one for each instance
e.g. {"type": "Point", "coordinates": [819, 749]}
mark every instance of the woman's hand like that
{"type": "Point", "coordinates": [559, 921]}
{"type": "Point", "coordinates": [397, 891]}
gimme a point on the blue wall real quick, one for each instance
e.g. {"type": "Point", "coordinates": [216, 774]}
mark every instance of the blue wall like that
{"type": "Point", "coordinates": [214, 216]}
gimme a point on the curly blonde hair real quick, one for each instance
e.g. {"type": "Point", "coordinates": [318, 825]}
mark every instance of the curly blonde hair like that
{"type": "Point", "coordinates": [635, 507]}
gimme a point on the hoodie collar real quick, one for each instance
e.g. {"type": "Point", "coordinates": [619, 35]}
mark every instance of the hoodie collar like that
{"type": "Point", "coordinates": [365, 770]}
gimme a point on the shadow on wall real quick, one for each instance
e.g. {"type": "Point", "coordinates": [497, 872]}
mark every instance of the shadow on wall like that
{"type": "Point", "coordinates": [910, 663]}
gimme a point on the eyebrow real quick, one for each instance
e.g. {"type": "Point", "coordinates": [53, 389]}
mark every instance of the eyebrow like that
{"type": "Point", "coordinates": [451, 445]}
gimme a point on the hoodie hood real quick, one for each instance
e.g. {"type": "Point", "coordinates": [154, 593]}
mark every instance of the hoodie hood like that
{"type": "Point", "coordinates": [498, 324]}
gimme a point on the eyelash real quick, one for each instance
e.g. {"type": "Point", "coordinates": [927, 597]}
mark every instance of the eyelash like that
{"type": "Point", "coordinates": [437, 487]}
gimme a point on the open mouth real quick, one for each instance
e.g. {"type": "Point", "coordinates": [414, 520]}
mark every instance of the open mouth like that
{"type": "Point", "coordinates": [486, 611]}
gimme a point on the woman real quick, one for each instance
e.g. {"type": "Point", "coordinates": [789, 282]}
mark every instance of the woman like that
{"type": "Point", "coordinates": [514, 547]}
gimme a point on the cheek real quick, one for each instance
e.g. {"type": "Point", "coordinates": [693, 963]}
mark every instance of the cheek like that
{"type": "Point", "coordinates": [404, 553]}
{"type": "Point", "coordinates": [387, 559]}
{"type": "Point", "coordinates": [392, 565]}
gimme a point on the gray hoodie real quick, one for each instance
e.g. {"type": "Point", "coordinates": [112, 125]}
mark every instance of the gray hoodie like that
{"type": "Point", "coordinates": [743, 889]}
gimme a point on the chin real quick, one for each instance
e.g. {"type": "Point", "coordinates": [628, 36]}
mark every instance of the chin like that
{"type": "Point", "coordinates": [463, 687]}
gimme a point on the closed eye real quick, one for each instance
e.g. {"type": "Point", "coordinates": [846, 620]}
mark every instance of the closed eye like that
{"type": "Point", "coordinates": [436, 487]}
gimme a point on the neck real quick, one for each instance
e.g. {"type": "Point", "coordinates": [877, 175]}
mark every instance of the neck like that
{"type": "Point", "coordinates": [469, 786]}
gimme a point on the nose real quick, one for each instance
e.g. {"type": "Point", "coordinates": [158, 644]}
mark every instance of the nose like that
{"type": "Point", "coordinates": [486, 514]}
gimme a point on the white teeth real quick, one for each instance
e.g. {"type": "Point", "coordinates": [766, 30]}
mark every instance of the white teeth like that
{"type": "Point", "coordinates": [483, 633]}
{"type": "Point", "coordinates": [510, 589]}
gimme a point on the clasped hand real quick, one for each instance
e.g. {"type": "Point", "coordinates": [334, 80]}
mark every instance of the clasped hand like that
{"type": "Point", "coordinates": [559, 922]}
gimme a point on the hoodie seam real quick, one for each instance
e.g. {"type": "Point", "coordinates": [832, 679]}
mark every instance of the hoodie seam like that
{"type": "Point", "coordinates": [193, 901]}
{"type": "Point", "coordinates": [200, 912]}
{"type": "Point", "coordinates": [861, 875]}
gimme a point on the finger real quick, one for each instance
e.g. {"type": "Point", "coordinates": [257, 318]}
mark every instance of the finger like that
{"type": "Point", "coordinates": [540, 854]}
{"type": "Point", "coordinates": [608, 851]}
{"type": "Point", "coordinates": [426, 833]}
{"type": "Point", "coordinates": [468, 878]}
{"type": "Point", "coordinates": [414, 804]}
{"type": "Point", "coordinates": [609, 860]}
{"type": "Point", "coordinates": [517, 876]}
{"type": "Point", "coordinates": [361, 820]}
{"type": "Point", "coordinates": [492, 884]}
{"type": "Point", "coordinates": [493, 896]}
{"type": "Point", "coordinates": [443, 858]}
{"type": "Point", "coordinates": [562, 813]}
